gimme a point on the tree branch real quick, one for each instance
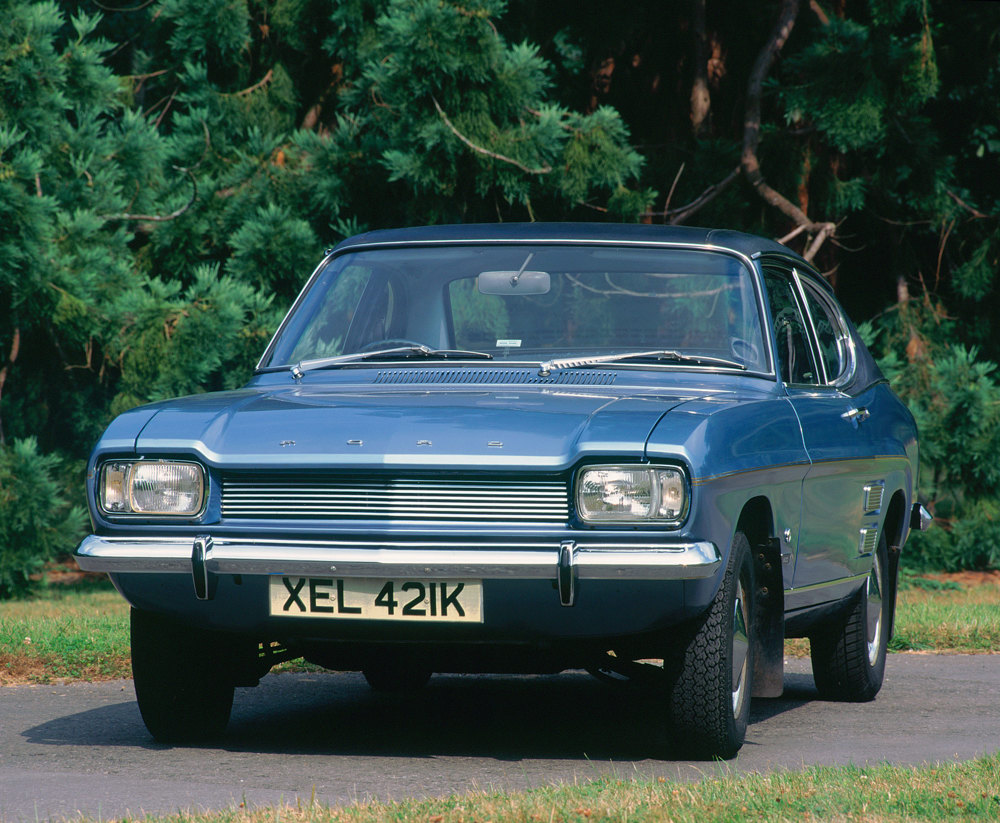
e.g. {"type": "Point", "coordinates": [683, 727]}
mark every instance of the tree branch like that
{"type": "Point", "coordinates": [546, 169]}
{"type": "Point", "coordinates": [682, 213]}
{"type": "Point", "coordinates": [821, 15]}
{"type": "Point", "coordinates": [267, 78]}
{"type": "Point", "coordinates": [751, 132]}
{"type": "Point", "coordinates": [162, 218]}
{"type": "Point", "coordinates": [140, 7]}
{"type": "Point", "coordinates": [673, 186]}
{"type": "Point", "coordinates": [973, 211]}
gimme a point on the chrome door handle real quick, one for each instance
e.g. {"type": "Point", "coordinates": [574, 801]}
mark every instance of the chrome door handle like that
{"type": "Point", "coordinates": [856, 415]}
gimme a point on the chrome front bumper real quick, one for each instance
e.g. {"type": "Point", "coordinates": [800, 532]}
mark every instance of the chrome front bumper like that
{"type": "Point", "coordinates": [564, 562]}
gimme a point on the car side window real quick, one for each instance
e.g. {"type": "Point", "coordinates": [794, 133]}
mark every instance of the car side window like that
{"type": "Point", "coordinates": [795, 357]}
{"type": "Point", "coordinates": [831, 333]}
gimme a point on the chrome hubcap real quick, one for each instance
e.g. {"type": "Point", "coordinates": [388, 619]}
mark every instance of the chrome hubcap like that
{"type": "Point", "coordinates": [741, 647]}
{"type": "Point", "coordinates": [874, 612]}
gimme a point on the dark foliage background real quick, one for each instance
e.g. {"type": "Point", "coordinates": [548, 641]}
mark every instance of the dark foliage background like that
{"type": "Point", "coordinates": [170, 171]}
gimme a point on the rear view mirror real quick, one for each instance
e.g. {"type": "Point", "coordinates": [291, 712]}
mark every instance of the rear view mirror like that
{"type": "Point", "coordinates": [507, 283]}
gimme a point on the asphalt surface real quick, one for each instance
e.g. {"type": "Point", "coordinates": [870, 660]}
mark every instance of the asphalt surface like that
{"type": "Point", "coordinates": [82, 748]}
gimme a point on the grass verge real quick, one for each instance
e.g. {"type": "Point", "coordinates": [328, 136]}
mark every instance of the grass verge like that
{"type": "Point", "coordinates": [69, 632]}
{"type": "Point", "coordinates": [880, 794]}
{"type": "Point", "coordinates": [80, 631]}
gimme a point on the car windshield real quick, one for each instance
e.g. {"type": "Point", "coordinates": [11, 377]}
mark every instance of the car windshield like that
{"type": "Point", "coordinates": [525, 302]}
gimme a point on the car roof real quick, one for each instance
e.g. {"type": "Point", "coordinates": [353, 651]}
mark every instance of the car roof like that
{"type": "Point", "coordinates": [740, 242]}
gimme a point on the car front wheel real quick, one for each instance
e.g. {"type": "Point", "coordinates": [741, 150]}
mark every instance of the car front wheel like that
{"type": "Point", "coordinates": [710, 673]}
{"type": "Point", "coordinates": [848, 661]}
{"type": "Point", "coordinates": [182, 685]}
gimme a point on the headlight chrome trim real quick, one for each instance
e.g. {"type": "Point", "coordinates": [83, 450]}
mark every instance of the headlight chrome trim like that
{"type": "Point", "coordinates": [659, 476]}
{"type": "Point", "coordinates": [117, 494]}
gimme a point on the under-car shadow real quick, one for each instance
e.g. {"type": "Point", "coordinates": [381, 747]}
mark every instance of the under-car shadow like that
{"type": "Point", "coordinates": [566, 716]}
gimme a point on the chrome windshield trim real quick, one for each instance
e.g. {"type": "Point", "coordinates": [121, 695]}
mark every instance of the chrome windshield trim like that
{"type": "Point", "coordinates": [527, 559]}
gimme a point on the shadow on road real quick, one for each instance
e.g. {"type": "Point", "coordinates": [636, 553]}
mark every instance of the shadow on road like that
{"type": "Point", "coordinates": [567, 716]}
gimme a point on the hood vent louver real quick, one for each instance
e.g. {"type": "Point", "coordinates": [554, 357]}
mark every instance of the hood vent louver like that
{"type": "Point", "coordinates": [518, 377]}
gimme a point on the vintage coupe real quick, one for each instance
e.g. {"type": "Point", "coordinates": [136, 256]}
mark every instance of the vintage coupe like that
{"type": "Point", "coordinates": [650, 452]}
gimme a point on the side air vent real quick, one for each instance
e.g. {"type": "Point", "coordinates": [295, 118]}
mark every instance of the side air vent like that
{"type": "Point", "coordinates": [519, 377]}
{"type": "Point", "coordinates": [869, 541]}
{"type": "Point", "coordinates": [873, 497]}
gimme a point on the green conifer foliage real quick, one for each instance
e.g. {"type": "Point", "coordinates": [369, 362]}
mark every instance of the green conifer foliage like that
{"type": "Point", "coordinates": [36, 522]}
{"type": "Point", "coordinates": [170, 174]}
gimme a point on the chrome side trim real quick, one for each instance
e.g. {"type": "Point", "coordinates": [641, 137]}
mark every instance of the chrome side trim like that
{"type": "Point", "coordinates": [515, 559]}
{"type": "Point", "coordinates": [825, 592]}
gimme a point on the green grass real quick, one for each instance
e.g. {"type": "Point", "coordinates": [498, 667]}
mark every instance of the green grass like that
{"type": "Point", "coordinates": [960, 618]}
{"type": "Point", "coordinates": [80, 631]}
{"type": "Point", "coordinates": [73, 632]}
{"type": "Point", "coordinates": [880, 794]}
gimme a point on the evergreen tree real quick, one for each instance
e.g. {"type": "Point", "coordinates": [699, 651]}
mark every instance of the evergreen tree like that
{"type": "Point", "coordinates": [170, 172]}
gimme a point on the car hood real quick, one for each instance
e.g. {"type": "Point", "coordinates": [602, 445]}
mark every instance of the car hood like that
{"type": "Point", "coordinates": [302, 426]}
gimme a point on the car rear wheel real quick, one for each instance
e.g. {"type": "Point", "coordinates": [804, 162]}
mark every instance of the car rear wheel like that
{"type": "Point", "coordinates": [182, 685]}
{"type": "Point", "coordinates": [710, 675]}
{"type": "Point", "coordinates": [848, 661]}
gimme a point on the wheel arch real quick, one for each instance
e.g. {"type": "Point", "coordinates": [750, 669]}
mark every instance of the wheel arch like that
{"type": "Point", "coordinates": [894, 530]}
{"type": "Point", "coordinates": [756, 521]}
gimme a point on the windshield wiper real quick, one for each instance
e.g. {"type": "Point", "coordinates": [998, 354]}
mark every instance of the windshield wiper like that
{"type": "Point", "coordinates": [399, 352]}
{"type": "Point", "coordinates": [546, 368]}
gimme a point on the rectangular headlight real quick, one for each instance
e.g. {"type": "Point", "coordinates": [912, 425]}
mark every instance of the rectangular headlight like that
{"type": "Point", "coordinates": [631, 494]}
{"type": "Point", "coordinates": [152, 487]}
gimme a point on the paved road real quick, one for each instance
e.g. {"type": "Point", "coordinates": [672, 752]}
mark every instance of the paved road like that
{"type": "Point", "coordinates": [82, 747]}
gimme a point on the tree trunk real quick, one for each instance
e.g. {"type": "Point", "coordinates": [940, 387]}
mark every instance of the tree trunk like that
{"type": "Point", "coordinates": [15, 347]}
{"type": "Point", "coordinates": [701, 100]}
{"type": "Point", "coordinates": [751, 133]}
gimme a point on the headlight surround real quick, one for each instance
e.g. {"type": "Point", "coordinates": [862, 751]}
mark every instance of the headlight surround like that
{"type": "Point", "coordinates": [151, 487]}
{"type": "Point", "coordinates": [632, 494]}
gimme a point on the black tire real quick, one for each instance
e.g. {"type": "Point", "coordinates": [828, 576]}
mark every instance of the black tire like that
{"type": "Point", "coordinates": [396, 676]}
{"type": "Point", "coordinates": [848, 661]}
{"type": "Point", "coordinates": [710, 675]}
{"type": "Point", "coordinates": [182, 685]}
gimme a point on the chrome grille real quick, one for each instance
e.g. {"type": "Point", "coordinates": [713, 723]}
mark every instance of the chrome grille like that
{"type": "Point", "coordinates": [466, 501]}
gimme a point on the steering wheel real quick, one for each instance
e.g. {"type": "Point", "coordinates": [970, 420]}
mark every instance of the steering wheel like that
{"type": "Point", "coordinates": [745, 350]}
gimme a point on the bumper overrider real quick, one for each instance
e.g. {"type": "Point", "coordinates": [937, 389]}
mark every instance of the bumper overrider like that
{"type": "Point", "coordinates": [564, 562]}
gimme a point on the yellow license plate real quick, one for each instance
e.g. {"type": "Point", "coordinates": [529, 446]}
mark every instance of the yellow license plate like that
{"type": "Point", "coordinates": [360, 598]}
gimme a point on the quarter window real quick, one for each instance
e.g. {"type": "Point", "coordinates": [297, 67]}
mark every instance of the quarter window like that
{"type": "Point", "coordinates": [795, 358]}
{"type": "Point", "coordinates": [831, 333]}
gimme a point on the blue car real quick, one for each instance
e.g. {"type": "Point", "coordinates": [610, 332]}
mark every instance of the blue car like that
{"type": "Point", "coordinates": [649, 452]}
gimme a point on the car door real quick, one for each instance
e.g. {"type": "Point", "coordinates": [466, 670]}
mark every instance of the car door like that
{"type": "Point", "coordinates": [815, 360]}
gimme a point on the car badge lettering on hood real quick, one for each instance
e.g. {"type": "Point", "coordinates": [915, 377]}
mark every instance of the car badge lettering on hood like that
{"type": "Point", "coordinates": [424, 443]}
{"type": "Point", "coordinates": [284, 443]}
